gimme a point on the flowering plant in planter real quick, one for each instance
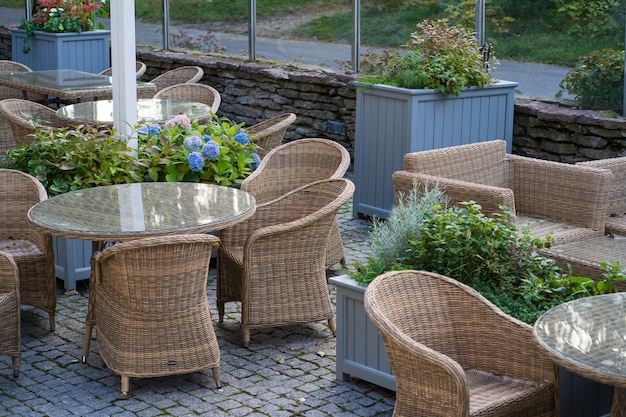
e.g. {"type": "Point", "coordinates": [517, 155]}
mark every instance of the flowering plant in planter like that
{"type": "Point", "coordinates": [61, 16]}
{"type": "Point", "coordinates": [218, 152]}
{"type": "Point", "coordinates": [441, 57]}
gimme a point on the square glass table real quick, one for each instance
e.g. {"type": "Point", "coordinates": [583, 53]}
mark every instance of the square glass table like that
{"type": "Point", "coordinates": [68, 84]}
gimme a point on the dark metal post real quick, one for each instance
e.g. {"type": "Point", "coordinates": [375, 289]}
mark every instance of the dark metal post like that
{"type": "Point", "coordinates": [356, 34]}
{"type": "Point", "coordinates": [166, 25]}
{"type": "Point", "coordinates": [252, 30]}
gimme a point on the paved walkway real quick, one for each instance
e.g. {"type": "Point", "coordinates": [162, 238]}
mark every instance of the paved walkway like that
{"type": "Point", "coordinates": [287, 371]}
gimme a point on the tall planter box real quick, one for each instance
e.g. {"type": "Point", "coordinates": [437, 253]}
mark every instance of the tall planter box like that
{"type": "Point", "coordinates": [86, 51]}
{"type": "Point", "coordinates": [392, 121]}
{"type": "Point", "coordinates": [72, 260]}
{"type": "Point", "coordinates": [361, 353]}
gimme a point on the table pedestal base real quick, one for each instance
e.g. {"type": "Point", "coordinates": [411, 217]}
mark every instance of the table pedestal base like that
{"type": "Point", "coordinates": [618, 406]}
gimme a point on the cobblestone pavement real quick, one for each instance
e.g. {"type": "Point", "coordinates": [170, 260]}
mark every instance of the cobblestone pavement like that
{"type": "Point", "coordinates": [288, 371]}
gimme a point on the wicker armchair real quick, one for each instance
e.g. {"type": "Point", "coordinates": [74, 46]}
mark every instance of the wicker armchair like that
{"type": "Point", "coordinates": [616, 220]}
{"type": "Point", "coordinates": [180, 75]}
{"type": "Point", "coordinates": [152, 313]}
{"type": "Point", "coordinates": [455, 354]}
{"type": "Point", "coordinates": [295, 164]}
{"type": "Point", "coordinates": [565, 201]}
{"type": "Point", "coordinates": [269, 133]}
{"type": "Point", "coordinates": [10, 330]}
{"type": "Point", "coordinates": [7, 141]}
{"type": "Point", "coordinates": [140, 69]}
{"type": "Point", "coordinates": [274, 262]}
{"type": "Point", "coordinates": [195, 92]}
{"type": "Point", "coordinates": [18, 112]}
{"type": "Point", "coordinates": [31, 249]}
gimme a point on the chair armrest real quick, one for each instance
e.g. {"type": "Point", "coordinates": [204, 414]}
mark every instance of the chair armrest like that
{"type": "Point", "coordinates": [560, 192]}
{"type": "Point", "coordinates": [489, 197]}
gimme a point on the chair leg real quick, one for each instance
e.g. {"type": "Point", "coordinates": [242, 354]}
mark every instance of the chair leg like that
{"type": "Point", "coordinates": [52, 320]}
{"type": "Point", "coordinates": [87, 344]}
{"type": "Point", "coordinates": [17, 361]}
{"type": "Point", "coordinates": [332, 325]}
{"type": "Point", "coordinates": [216, 377]}
{"type": "Point", "coordinates": [246, 336]}
{"type": "Point", "coordinates": [125, 387]}
{"type": "Point", "coordinates": [220, 311]}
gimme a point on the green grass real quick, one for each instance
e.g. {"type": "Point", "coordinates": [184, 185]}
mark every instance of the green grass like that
{"type": "Point", "coordinates": [536, 41]}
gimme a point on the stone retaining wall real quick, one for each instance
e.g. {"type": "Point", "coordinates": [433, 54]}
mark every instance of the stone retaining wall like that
{"type": "Point", "coordinates": [325, 102]}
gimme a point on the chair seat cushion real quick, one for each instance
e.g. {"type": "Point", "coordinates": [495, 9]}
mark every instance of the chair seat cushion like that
{"type": "Point", "coordinates": [560, 232]}
{"type": "Point", "coordinates": [19, 248]}
{"type": "Point", "coordinates": [501, 395]}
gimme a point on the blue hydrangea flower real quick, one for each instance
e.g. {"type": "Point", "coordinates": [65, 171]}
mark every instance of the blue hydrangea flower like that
{"type": "Point", "coordinates": [257, 160]}
{"type": "Point", "coordinates": [211, 149]}
{"type": "Point", "coordinates": [154, 129]}
{"type": "Point", "coordinates": [196, 161]}
{"type": "Point", "coordinates": [242, 138]}
{"type": "Point", "coordinates": [193, 143]}
{"type": "Point", "coordinates": [143, 130]}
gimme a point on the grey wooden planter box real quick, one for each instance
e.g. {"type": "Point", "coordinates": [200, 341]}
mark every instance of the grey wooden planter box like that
{"type": "Point", "coordinates": [86, 51]}
{"type": "Point", "coordinates": [71, 260]}
{"type": "Point", "coordinates": [392, 121]}
{"type": "Point", "coordinates": [361, 353]}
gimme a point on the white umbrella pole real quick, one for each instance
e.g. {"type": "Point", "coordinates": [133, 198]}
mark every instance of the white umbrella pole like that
{"type": "Point", "coordinates": [123, 57]}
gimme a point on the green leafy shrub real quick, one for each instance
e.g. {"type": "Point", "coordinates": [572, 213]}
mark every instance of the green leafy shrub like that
{"type": "Point", "coordinates": [597, 82]}
{"type": "Point", "coordinates": [488, 254]}
{"type": "Point", "coordinates": [76, 158]}
{"type": "Point", "coordinates": [441, 57]}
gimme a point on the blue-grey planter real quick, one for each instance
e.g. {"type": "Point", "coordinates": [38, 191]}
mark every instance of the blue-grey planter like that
{"type": "Point", "coordinates": [361, 353]}
{"type": "Point", "coordinates": [392, 121]}
{"type": "Point", "coordinates": [71, 260]}
{"type": "Point", "coordinates": [86, 51]}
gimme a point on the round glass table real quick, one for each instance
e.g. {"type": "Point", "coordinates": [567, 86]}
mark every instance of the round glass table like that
{"type": "Point", "coordinates": [588, 336]}
{"type": "Point", "coordinates": [148, 110]}
{"type": "Point", "coordinates": [133, 211]}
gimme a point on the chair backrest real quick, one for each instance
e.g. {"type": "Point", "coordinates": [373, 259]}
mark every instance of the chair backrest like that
{"type": "Point", "coordinates": [159, 273]}
{"type": "Point", "coordinates": [617, 197]}
{"type": "Point", "coordinates": [269, 133]}
{"type": "Point", "coordinates": [140, 69]}
{"type": "Point", "coordinates": [482, 163]}
{"type": "Point", "coordinates": [18, 112]}
{"type": "Point", "coordinates": [294, 164]}
{"type": "Point", "coordinates": [195, 92]}
{"type": "Point", "coordinates": [6, 135]}
{"type": "Point", "coordinates": [180, 75]}
{"type": "Point", "coordinates": [19, 191]}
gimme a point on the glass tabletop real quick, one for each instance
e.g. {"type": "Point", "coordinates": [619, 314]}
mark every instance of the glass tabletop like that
{"type": "Point", "coordinates": [131, 211]}
{"type": "Point", "coordinates": [589, 333]}
{"type": "Point", "coordinates": [149, 110]}
{"type": "Point", "coordinates": [62, 79]}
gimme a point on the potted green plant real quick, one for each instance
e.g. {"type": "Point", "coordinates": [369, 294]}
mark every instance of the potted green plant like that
{"type": "Point", "coordinates": [439, 93]}
{"type": "Point", "coordinates": [218, 151]}
{"type": "Point", "coordinates": [62, 34]}
{"type": "Point", "coordinates": [489, 254]}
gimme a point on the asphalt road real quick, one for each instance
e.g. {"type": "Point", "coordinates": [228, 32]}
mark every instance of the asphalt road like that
{"type": "Point", "coordinates": [535, 80]}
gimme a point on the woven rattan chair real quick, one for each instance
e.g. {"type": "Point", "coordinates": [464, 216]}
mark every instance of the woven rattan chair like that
{"type": "Point", "coordinates": [7, 141]}
{"type": "Point", "coordinates": [195, 92]}
{"type": "Point", "coordinates": [565, 201]}
{"type": "Point", "coordinates": [140, 69]}
{"type": "Point", "coordinates": [616, 220]}
{"type": "Point", "coordinates": [19, 113]}
{"type": "Point", "coordinates": [274, 262]}
{"type": "Point", "coordinates": [270, 133]}
{"type": "Point", "coordinates": [10, 330]}
{"type": "Point", "coordinates": [455, 354]}
{"type": "Point", "coordinates": [295, 164]}
{"type": "Point", "coordinates": [152, 313]}
{"type": "Point", "coordinates": [31, 249]}
{"type": "Point", "coordinates": [180, 75]}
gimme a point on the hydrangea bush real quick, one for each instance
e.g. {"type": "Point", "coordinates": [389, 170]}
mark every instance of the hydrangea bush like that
{"type": "Point", "coordinates": [218, 152]}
